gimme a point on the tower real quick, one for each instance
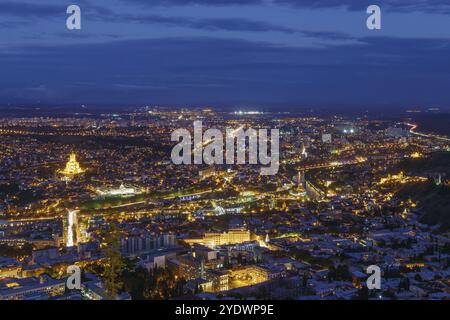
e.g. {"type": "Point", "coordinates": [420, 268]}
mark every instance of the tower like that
{"type": "Point", "coordinates": [438, 181]}
{"type": "Point", "coordinates": [301, 179]}
{"type": "Point", "coordinates": [304, 153]}
{"type": "Point", "coordinates": [71, 229]}
{"type": "Point", "coordinates": [202, 270]}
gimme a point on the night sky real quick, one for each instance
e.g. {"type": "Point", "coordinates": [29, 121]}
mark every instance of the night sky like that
{"type": "Point", "coordinates": [255, 53]}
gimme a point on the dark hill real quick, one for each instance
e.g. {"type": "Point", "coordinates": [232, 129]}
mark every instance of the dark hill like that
{"type": "Point", "coordinates": [433, 201]}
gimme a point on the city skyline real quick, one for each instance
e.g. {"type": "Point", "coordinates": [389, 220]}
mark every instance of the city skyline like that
{"type": "Point", "coordinates": [356, 210]}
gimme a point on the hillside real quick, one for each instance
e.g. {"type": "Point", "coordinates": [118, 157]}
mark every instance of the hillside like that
{"type": "Point", "coordinates": [433, 201]}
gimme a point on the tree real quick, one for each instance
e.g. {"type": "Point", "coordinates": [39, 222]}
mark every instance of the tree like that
{"type": "Point", "coordinates": [114, 263]}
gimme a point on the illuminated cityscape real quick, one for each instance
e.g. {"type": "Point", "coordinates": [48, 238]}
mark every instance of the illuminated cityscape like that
{"type": "Point", "coordinates": [224, 158]}
{"type": "Point", "coordinates": [343, 199]}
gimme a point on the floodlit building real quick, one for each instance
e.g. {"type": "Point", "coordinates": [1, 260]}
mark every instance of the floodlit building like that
{"type": "Point", "coordinates": [121, 191]}
{"type": "Point", "coordinates": [213, 239]}
{"type": "Point", "coordinates": [72, 168]}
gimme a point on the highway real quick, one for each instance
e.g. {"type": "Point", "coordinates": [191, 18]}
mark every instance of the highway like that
{"type": "Point", "coordinates": [425, 135]}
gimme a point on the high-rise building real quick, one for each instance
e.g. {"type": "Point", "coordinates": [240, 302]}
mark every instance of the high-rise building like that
{"type": "Point", "coordinates": [304, 152]}
{"type": "Point", "coordinates": [71, 229]}
{"type": "Point", "coordinates": [137, 244]}
{"type": "Point", "coordinates": [396, 132]}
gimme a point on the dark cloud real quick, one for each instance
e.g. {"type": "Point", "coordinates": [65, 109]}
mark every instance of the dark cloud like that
{"type": "Point", "coordinates": [194, 2]}
{"type": "Point", "coordinates": [10, 24]}
{"type": "Point", "coordinates": [364, 72]}
{"type": "Point", "coordinates": [24, 9]}
{"type": "Point", "coordinates": [239, 25]}
{"type": "Point", "coordinates": [21, 9]}
{"type": "Point", "coordinates": [227, 24]}
{"type": "Point", "coordinates": [45, 10]}
{"type": "Point", "coordinates": [327, 35]}
{"type": "Point", "coordinates": [432, 6]}
{"type": "Point", "coordinates": [86, 35]}
{"type": "Point", "coordinates": [378, 71]}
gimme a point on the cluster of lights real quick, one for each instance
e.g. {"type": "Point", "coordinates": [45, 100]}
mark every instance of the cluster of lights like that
{"type": "Point", "coordinates": [240, 112]}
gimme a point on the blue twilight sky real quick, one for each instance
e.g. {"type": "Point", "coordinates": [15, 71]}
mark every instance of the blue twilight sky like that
{"type": "Point", "coordinates": [255, 53]}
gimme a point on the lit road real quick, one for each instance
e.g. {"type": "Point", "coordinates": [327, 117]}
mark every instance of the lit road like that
{"type": "Point", "coordinates": [425, 135]}
{"type": "Point", "coordinates": [328, 165]}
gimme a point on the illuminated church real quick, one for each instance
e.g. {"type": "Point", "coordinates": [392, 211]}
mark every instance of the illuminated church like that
{"type": "Point", "coordinates": [72, 168]}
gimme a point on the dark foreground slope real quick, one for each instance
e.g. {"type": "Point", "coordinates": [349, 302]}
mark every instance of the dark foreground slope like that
{"type": "Point", "coordinates": [433, 200]}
